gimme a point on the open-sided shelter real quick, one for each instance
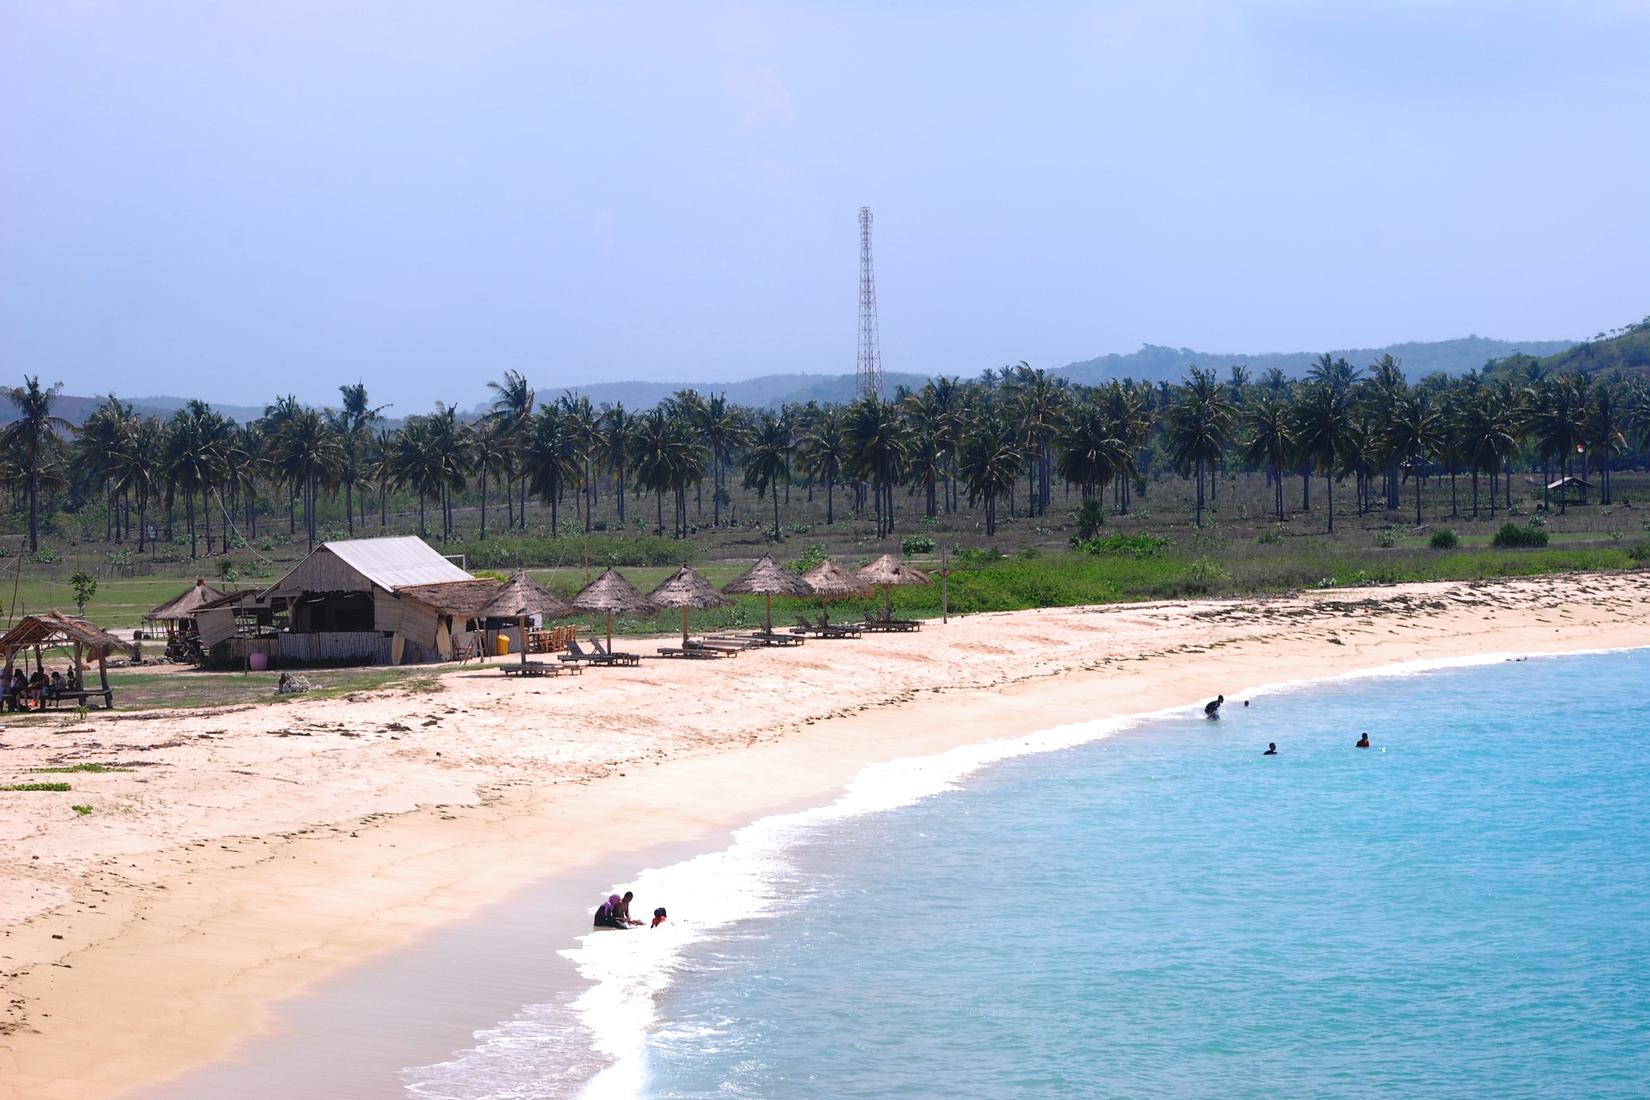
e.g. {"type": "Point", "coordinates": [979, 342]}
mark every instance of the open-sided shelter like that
{"type": "Point", "coordinates": [53, 630]}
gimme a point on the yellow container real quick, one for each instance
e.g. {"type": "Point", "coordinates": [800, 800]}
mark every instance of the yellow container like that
{"type": "Point", "coordinates": [502, 645]}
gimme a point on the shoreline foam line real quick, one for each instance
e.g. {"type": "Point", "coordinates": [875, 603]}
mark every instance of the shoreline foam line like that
{"type": "Point", "coordinates": [748, 879]}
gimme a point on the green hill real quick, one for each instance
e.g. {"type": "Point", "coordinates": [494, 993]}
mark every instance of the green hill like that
{"type": "Point", "coordinates": [1626, 350]}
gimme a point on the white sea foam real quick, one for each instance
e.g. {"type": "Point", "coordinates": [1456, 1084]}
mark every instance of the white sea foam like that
{"type": "Point", "coordinates": [546, 1050]}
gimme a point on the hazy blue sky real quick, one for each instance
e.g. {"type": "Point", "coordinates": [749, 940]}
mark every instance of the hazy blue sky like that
{"type": "Point", "coordinates": [233, 199]}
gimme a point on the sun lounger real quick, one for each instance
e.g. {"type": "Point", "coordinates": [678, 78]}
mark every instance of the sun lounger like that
{"type": "Point", "coordinates": [824, 629]}
{"type": "Point", "coordinates": [541, 668]}
{"type": "Point", "coordinates": [603, 657]}
{"type": "Point", "coordinates": [693, 652]}
{"type": "Point", "coordinates": [763, 638]}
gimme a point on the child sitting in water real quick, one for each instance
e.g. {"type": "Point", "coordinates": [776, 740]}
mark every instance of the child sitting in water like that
{"type": "Point", "coordinates": [658, 917]}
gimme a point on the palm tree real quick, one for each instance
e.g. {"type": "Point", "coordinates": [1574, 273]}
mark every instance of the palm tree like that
{"type": "Point", "coordinates": [724, 430]}
{"type": "Point", "coordinates": [1040, 406]}
{"type": "Point", "coordinates": [1271, 439]}
{"type": "Point", "coordinates": [1199, 425]}
{"type": "Point", "coordinates": [513, 408]}
{"type": "Point", "coordinates": [490, 457]}
{"type": "Point", "coordinates": [877, 444]}
{"type": "Point", "coordinates": [618, 427]}
{"type": "Point", "coordinates": [308, 454]}
{"type": "Point", "coordinates": [353, 426]}
{"type": "Point", "coordinates": [825, 453]}
{"type": "Point", "coordinates": [416, 462]}
{"type": "Point", "coordinates": [1415, 431]}
{"type": "Point", "coordinates": [767, 461]}
{"type": "Point", "coordinates": [31, 438]}
{"type": "Point", "coordinates": [990, 461]}
{"type": "Point", "coordinates": [1558, 422]}
{"type": "Point", "coordinates": [553, 459]}
{"type": "Point", "coordinates": [1323, 420]}
{"type": "Point", "coordinates": [585, 427]}
{"type": "Point", "coordinates": [1606, 436]}
{"type": "Point", "coordinates": [1091, 455]}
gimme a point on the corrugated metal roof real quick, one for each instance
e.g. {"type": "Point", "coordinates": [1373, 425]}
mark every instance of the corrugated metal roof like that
{"type": "Point", "coordinates": [396, 562]}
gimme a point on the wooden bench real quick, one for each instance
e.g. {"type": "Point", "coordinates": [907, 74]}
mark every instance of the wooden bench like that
{"type": "Point", "coordinates": [82, 698]}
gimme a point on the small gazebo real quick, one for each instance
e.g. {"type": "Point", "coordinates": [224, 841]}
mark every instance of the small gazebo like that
{"type": "Point", "coordinates": [829, 581]}
{"type": "Point", "coordinates": [610, 594]}
{"type": "Point", "coordinates": [690, 591]}
{"type": "Point", "coordinates": [52, 630]}
{"type": "Point", "coordinates": [768, 578]}
{"type": "Point", "coordinates": [885, 573]}
{"type": "Point", "coordinates": [183, 607]}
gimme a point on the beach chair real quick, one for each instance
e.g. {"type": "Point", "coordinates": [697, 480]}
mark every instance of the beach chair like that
{"type": "Point", "coordinates": [603, 657]}
{"type": "Point", "coordinates": [575, 655]}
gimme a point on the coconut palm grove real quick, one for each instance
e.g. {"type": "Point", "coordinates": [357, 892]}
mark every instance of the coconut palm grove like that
{"type": "Point", "coordinates": [1353, 469]}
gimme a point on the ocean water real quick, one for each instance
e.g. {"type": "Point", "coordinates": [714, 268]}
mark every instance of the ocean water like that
{"type": "Point", "coordinates": [1156, 909]}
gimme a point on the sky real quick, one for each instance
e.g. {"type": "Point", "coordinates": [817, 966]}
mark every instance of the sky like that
{"type": "Point", "coordinates": [232, 200]}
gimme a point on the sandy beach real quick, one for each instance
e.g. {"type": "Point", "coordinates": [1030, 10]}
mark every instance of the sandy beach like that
{"type": "Point", "coordinates": [248, 853]}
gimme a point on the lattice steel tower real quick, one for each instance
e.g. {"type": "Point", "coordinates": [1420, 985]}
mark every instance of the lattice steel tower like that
{"type": "Point", "coordinates": [868, 361]}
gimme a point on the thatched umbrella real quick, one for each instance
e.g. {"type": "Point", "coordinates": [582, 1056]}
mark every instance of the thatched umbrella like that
{"type": "Point", "coordinates": [829, 581]}
{"type": "Point", "coordinates": [768, 578]}
{"type": "Point", "coordinates": [689, 591]}
{"type": "Point", "coordinates": [520, 597]}
{"type": "Point", "coordinates": [610, 594]}
{"type": "Point", "coordinates": [888, 571]}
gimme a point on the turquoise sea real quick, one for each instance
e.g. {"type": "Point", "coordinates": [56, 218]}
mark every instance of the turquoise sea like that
{"type": "Point", "coordinates": [1461, 911]}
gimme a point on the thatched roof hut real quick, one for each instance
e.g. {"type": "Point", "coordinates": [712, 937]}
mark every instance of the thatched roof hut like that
{"type": "Point", "coordinates": [885, 573]}
{"type": "Point", "coordinates": [690, 591]}
{"type": "Point", "coordinates": [829, 581]}
{"type": "Point", "coordinates": [610, 595]}
{"type": "Point", "coordinates": [522, 595]}
{"type": "Point", "coordinates": [52, 629]}
{"type": "Point", "coordinates": [768, 578]}
{"type": "Point", "coordinates": [462, 601]}
{"type": "Point", "coordinates": [185, 604]}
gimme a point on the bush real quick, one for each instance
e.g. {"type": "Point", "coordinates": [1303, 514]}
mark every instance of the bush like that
{"type": "Point", "coordinates": [1386, 538]}
{"type": "Point", "coordinates": [1443, 539]}
{"type": "Point", "coordinates": [1206, 576]}
{"type": "Point", "coordinates": [1640, 552]}
{"type": "Point", "coordinates": [1269, 538]}
{"type": "Point", "coordinates": [1129, 546]}
{"type": "Point", "coordinates": [811, 557]}
{"type": "Point", "coordinates": [1091, 517]}
{"type": "Point", "coordinates": [44, 556]}
{"type": "Point", "coordinates": [977, 555]}
{"type": "Point", "coordinates": [916, 544]}
{"type": "Point", "coordinates": [1512, 535]}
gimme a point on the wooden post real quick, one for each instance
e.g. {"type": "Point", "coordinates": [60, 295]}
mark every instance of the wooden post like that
{"type": "Point", "coordinates": [945, 593]}
{"type": "Point", "coordinates": [521, 625]}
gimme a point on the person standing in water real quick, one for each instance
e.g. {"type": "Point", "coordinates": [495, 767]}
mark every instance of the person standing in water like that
{"type": "Point", "coordinates": [659, 915]}
{"type": "Point", "coordinates": [1271, 749]}
{"type": "Point", "coordinates": [1363, 741]}
{"type": "Point", "coordinates": [1211, 709]}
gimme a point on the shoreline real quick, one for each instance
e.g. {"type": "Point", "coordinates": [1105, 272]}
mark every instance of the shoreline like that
{"type": "Point", "coordinates": [202, 978]}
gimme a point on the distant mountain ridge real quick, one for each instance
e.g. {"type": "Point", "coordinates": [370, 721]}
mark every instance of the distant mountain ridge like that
{"type": "Point", "coordinates": [1153, 363]}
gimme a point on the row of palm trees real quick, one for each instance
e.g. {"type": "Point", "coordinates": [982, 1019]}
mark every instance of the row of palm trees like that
{"type": "Point", "coordinates": [952, 443]}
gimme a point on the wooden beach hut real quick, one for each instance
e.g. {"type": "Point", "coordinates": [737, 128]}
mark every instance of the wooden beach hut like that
{"type": "Point", "coordinates": [53, 630]}
{"type": "Point", "coordinates": [767, 578]}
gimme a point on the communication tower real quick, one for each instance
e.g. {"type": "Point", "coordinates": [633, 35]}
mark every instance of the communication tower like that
{"type": "Point", "coordinates": [868, 361]}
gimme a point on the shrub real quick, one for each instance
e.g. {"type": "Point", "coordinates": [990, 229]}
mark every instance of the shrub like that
{"type": "Point", "coordinates": [1206, 576]}
{"type": "Point", "coordinates": [1386, 538]}
{"type": "Point", "coordinates": [916, 544]}
{"type": "Point", "coordinates": [1269, 538]}
{"type": "Point", "coordinates": [1443, 539]}
{"type": "Point", "coordinates": [811, 557]}
{"type": "Point", "coordinates": [1090, 518]}
{"type": "Point", "coordinates": [977, 555]}
{"type": "Point", "coordinates": [44, 556]}
{"type": "Point", "coordinates": [1512, 535]}
{"type": "Point", "coordinates": [1129, 546]}
{"type": "Point", "coordinates": [1640, 551]}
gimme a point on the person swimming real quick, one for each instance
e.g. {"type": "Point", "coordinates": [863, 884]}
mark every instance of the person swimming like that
{"type": "Point", "coordinates": [1211, 709]}
{"type": "Point", "coordinates": [659, 915]}
{"type": "Point", "coordinates": [1271, 749]}
{"type": "Point", "coordinates": [1363, 742]}
{"type": "Point", "coordinates": [607, 913]}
